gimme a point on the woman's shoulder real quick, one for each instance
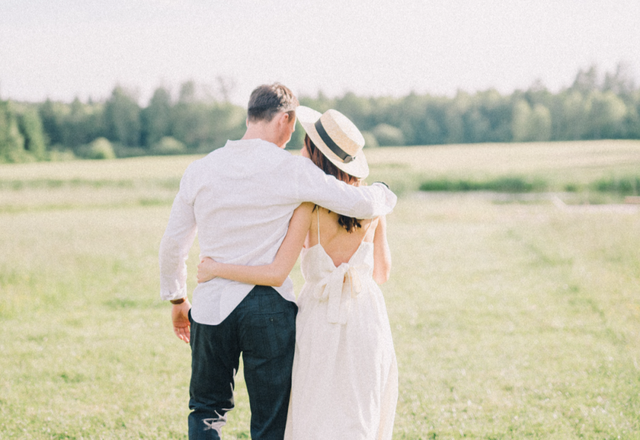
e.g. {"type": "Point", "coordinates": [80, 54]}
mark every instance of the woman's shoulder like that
{"type": "Point", "coordinates": [306, 206]}
{"type": "Point", "coordinates": [304, 211]}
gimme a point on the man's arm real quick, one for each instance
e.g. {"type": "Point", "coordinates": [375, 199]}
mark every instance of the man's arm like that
{"type": "Point", "coordinates": [174, 250]}
{"type": "Point", "coordinates": [313, 185]}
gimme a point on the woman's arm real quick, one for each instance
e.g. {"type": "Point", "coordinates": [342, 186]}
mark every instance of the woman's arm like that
{"type": "Point", "coordinates": [273, 274]}
{"type": "Point", "coordinates": [381, 253]}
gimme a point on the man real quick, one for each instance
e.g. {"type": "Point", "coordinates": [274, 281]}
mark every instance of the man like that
{"type": "Point", "coordinates": [240, 199]}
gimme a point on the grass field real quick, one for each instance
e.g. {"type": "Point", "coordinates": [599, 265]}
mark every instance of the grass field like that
{"type": "Point", "coordinates": [512, 318]}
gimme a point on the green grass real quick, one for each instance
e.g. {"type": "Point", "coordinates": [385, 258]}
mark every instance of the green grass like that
{"type": "Point", "coordinates": [515, 321]}
{"type": "Point", "coordinates": [509, 320]}
{"type": "Point", "coordinates": [557, 166]}
{"type": "Point", "coordinates": [509, 184]}
{"type": "Point", "coordinates": [623, 185]}
{"type": "Point", "coordinates": [612, 185]}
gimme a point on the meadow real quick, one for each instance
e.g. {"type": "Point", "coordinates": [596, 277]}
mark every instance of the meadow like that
{"type": "Point", "coordinates": [512, 316]}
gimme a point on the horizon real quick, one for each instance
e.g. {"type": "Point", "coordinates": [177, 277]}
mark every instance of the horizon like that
{"type": "Point", "coordinates": [206, 91]}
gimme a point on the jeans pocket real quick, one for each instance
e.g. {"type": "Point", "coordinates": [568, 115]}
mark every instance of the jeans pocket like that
{"type": "Point", "coordinates": [272, 336]}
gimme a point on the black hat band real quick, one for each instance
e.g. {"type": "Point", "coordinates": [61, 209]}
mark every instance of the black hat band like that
{"type": "Point", "coordinates": [346, 158]}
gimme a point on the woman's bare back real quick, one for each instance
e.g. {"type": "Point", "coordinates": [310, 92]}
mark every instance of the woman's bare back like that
{"type": "Point", "coordinates": [339, 244]}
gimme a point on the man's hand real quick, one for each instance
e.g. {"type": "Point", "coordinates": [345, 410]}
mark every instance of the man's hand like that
{"type": "Point", "coordinates": [180, 318]}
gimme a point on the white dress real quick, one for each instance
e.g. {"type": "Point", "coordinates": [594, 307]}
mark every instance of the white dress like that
{"type": "Point", "coordinates": [345, 376]}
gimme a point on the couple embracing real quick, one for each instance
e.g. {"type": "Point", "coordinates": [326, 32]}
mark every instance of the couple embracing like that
{"type": "Point", "coordinates": [321, 368]}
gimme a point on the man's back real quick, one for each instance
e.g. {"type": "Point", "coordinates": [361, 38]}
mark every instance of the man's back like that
{"type": "Point", "coordinates": [240, 196]}
{"type": "Point", "coordinates": [240, 200]}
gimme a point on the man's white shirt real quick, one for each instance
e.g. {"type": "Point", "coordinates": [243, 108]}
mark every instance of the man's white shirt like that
{"type": "Point", "coordinates": [240, 199]}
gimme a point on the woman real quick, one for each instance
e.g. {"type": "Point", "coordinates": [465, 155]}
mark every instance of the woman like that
{"type": "Point", "coordinates": [345, 383]}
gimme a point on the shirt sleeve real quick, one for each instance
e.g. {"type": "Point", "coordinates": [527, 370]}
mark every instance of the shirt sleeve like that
{"type": "Point", "coordinates": [175, 246]}
{"type": "Point", "coordinates": [314, 185]}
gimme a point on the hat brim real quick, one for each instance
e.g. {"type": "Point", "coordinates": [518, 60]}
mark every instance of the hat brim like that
{"type": "Point", "coordinates": [308, 117]}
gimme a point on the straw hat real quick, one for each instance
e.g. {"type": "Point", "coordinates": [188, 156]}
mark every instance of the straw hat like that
{"type": "Point", "coordinates": [337, 138]}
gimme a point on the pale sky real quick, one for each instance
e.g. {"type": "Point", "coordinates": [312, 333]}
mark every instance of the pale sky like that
{"type": "Point", "coordinates": [66, 48]}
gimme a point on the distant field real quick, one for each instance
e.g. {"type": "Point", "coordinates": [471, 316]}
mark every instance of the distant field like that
{"type": "Point", "coordinates": [560, 166]}
{"type": "Point", "coordinates": [511, 319]}
{"type": "Point", "coordinates": [580, 160]}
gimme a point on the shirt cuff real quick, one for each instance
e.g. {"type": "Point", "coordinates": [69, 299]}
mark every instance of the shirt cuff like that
{"type": "Point", "coordinates": [168, 295]}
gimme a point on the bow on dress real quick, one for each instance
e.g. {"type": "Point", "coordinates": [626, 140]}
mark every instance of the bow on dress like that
{"type": "Point", "coordinates": [331, 286]}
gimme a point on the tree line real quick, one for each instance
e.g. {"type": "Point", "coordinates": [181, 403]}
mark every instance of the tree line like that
{"type": "Point", "coordinates": [594, 107]}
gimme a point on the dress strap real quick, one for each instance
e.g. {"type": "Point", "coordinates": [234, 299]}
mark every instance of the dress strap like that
{"type": "Point", "coordinates": [318, 216]}
{"type": "Point", "coordinates": [366, 230]}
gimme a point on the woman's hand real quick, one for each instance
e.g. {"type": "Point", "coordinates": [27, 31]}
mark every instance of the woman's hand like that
{"type": "Point", "coordinates": [207, 270]}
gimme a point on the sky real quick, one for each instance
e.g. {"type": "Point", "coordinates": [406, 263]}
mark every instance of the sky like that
{"type": "Point", "coordinates": [62, 49]}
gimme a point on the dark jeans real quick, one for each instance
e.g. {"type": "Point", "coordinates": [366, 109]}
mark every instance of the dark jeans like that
{"type": "Point", "coordinates": [262, 328]}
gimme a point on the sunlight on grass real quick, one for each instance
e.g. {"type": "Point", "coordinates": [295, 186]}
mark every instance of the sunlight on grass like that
{"type": "Point", "coordinates": [510, 320]}
{"type": "Point", "coordinates": [514, 325]}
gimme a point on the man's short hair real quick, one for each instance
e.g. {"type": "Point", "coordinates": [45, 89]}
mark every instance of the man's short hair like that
{"type": "Point", "coordinates": [267, 100]}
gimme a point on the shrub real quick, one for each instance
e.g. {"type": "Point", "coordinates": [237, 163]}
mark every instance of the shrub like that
{"type": "Point", "coordinates": [514, 185]}
{"type": "Point", "coordinates": [123, 151]}
{"type": "Point", "coordinates": [370, 140]}
{"type": "Point", "coordinates": [60, 154]}
{"type": "Point", "coordinates": [500, 184]}
{"type": "Point", "coordinates": [452, 185]}
{"type": "Point", "coordinates": [388, 135]}
{"type": "Point", "coordinates": [623, 185]}
{"type": "Point", "coordinates": [571, 187]}
{"type": "Point", "coordinates": [168, 145]}
{"type": "Point", "coordinates": [100, 148]}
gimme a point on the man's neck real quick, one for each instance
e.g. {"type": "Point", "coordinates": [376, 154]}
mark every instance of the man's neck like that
{"type": "Point", "coordinates": [260, 131]}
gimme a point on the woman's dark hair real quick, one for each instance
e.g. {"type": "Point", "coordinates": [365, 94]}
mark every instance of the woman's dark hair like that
{"type": "Point", "coordinates": [321, 161]}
